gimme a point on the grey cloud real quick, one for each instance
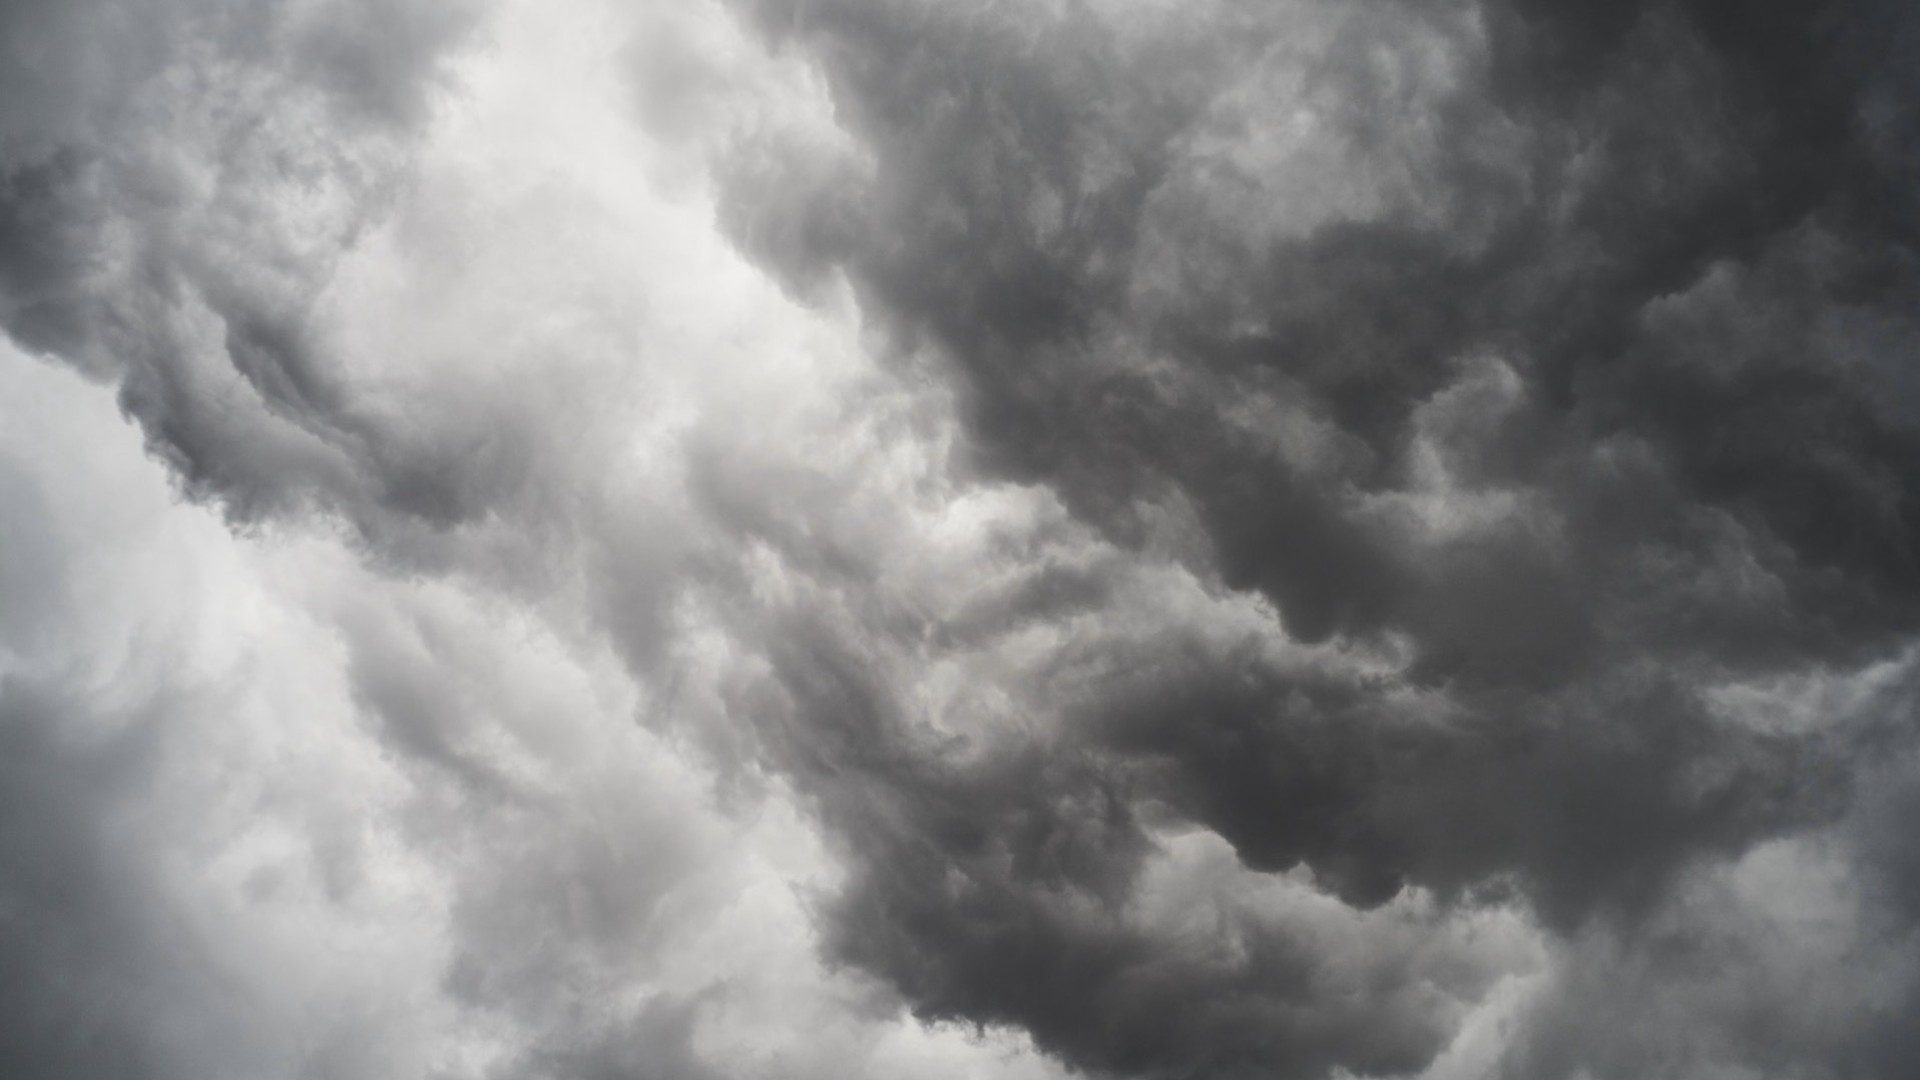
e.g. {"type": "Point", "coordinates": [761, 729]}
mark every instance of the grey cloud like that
{"type": "Point", "coordinates": [1795, 959]}
{"type": "Point", "coordinates": [1398, 444]}
{"type": "Point", "coordinates": [179, 181]}
{"type": "Point", "coordinates": [1006, 887]}
{"type": "Point", "coordinates": [1661, 227]}
{"type": "Point", "coordinates": [272, 811]}
{"type": "Point", "coordinates": [655, 1045]}
{"type": "Point", "coordinates": [80, 962]}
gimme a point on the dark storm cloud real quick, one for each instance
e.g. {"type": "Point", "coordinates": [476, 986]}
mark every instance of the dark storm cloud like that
{"type": "Point", "coordinates": [1016, 204]}
{"type": "Point", "coordinates": [1435, 513]}
{"type": "Point", "coordinates": [1570, 346]}
{"type": "Point", "coordinates": [1007, 889]}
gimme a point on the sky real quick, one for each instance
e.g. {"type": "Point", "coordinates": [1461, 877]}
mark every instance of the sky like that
{"type": "Point", "coordinates": [992, 539]}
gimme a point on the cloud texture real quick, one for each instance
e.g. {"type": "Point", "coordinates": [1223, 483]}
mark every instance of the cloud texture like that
{"type": "Point", "coordinates": [882, 538]}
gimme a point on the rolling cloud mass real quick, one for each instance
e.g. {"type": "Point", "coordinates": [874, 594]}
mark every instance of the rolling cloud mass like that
{"type": "Point", "coordinates": [913, 539]}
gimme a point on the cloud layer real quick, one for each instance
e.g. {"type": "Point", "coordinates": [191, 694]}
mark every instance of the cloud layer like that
{"type": "Point", "coordinates": [887, 538]}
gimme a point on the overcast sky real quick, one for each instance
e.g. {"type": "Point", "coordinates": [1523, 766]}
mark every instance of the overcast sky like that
{"type": "Point", "coordinates": [925, 539]}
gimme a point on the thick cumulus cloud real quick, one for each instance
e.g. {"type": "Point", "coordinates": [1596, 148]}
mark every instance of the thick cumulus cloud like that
{"type": "Point", "coordinates": [1547, 367]}
{"type": "Point", "coordinates": [270, 811]}
{"type": "Point", "coordinates": [385, 779]}
{"type": "Point", "coordinates": [890, 538]}
{"type": "Point", "coordinates": [180, 180]}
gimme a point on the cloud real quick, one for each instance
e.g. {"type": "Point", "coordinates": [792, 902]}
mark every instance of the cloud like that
{"type": "Point", "coordinates": [1519, 345]}
{"type": "Point", "coordinates": [812, 538]}
{"type": "Point", "coordinates": [180, 180]}
{"type": "Point", "coordinates": [272, 809]}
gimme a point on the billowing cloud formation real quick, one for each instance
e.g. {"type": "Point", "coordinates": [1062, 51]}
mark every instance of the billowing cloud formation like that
{"type": "Point", "coordinates": [1559, 353]}
{"type": "Point", "coordinates": [890, 538]}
